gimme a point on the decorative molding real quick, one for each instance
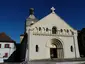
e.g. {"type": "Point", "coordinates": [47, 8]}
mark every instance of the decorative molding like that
{"type": "Point", "coordinates": [31, 29]}
{"type": "Point", "coordinates": [53, 35]}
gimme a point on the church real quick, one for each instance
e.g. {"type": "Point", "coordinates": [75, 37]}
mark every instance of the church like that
{"type": "Point", "coordinates": [50, 37]}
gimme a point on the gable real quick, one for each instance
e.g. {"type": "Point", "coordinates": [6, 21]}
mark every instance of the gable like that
{"type": "Point", "coordinates": [52, 20]}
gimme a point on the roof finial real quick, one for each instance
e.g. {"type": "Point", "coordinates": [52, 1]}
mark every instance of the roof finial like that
{"type": "Point", "coordinates": [31, 11]}
{"type": "Point", "coordinates": [52, 10]}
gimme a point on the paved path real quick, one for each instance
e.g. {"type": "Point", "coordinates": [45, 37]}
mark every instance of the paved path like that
{"type": "Point", "coordinates": [57, 62]}
{"type": "Point", "coordinates": [83, 62]}
{"type": "Point", "coordinates": [78, 62]}
{"type": "Point", "coordinates": [54, 61]}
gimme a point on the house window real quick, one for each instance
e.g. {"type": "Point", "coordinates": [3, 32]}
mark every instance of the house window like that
{"type": "Point", "coordinates": [6, 55]}
{"type": "Point", "coordinates": [0, 45]}
{"type": "Point", "coordinates": [54, 30]}
{"type": "Point", "coordinates": [37, 48]}
{"type": "Point", "coordinates": [7, 46]}
{"type": "Point", "coordinates": [71, 48]}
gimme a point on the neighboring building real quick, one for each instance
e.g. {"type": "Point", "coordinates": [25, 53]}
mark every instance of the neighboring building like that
{"type": "Point", "coordinates": [7, 46]}
{"type": "Point", "coordinates": [19, 54]}
{"type": "Point", "coordinates": [81, 42]}
{"type": "Point", "coordinates": [50, 37]}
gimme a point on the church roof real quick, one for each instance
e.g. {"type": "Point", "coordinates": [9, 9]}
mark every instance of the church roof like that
{"type": "Point", "coordinates": [5, 38]}
{"type": "Point", "coordinates": [53, 19]}
{"type": "Point", "coordinates": [31, 18]}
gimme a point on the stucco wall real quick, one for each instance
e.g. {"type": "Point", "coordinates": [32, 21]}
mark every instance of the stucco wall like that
{"type": "Point", "coordinates": [44, 50]}
{"type": "Point", "coordinates": [4, 50]}
{"type": "Point", "coordinates": [42, 37]}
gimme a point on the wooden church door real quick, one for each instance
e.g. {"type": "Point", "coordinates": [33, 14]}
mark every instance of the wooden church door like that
{"type": "Point", "coordinates": [53, 52]}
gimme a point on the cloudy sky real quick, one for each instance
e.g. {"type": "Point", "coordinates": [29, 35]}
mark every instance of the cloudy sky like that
{"type": "Point", "coordinates": [14, 12]}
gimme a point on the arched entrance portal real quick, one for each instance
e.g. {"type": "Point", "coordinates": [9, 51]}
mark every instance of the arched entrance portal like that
{"type": "Point", "coordinates": [57, 50]}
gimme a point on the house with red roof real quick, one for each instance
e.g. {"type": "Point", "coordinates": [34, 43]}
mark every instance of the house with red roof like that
{"type": "Point", "coordinates": [7, 46]}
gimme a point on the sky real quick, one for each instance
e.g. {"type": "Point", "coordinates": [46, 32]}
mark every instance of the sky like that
{"type": "Point", "coordinates": [13, 14]}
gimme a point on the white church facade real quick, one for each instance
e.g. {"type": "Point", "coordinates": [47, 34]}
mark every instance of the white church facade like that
{"type": "Point", "coordinates": [50, 37]}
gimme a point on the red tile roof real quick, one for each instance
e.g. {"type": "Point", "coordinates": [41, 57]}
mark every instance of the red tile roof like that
{"type": "Point", "coordinates": [5, 38]}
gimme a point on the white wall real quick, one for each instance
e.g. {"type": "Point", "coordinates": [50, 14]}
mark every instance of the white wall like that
{"type": "Point", "coordinates": [4, 50]}
{"type": "Point", "coordinates": [40, 38]}
{"type": "Point", "coordinates": [44, 51]}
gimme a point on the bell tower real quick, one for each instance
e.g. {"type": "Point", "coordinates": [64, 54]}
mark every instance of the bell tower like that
{"type": "Point", "coordinates": [31, 19]}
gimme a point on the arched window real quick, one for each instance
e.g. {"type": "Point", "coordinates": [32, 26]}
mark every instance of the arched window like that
{"type": "Point", "coordinates": [39, 28]}
{"type": "Point", "coordinates": [67, 30]}
{"type": "Point", "coordinates": [46, 29]}
{"type": "Point", "coordinates": [71, 48]}
{"type": "Point", "coordinates": [61, 30]}
{"type": "Point", "coordinates": [54, 30]}
{"type": "Point", "coordinates": [37, 48]}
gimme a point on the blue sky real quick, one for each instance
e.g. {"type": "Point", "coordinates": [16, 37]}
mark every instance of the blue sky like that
{"type": "Point", "coordinates": [14, 12]}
